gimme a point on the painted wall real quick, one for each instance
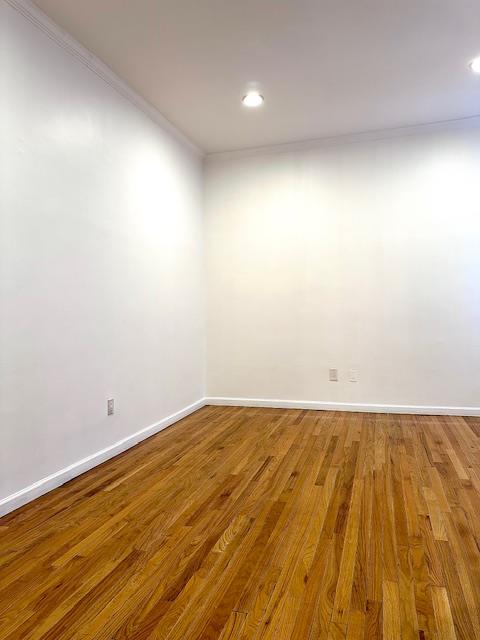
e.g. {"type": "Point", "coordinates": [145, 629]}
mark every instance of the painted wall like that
{"type": "Point", "coordinates": [361, 256]}
{"type": "Point", "coordinates": [101, 262]}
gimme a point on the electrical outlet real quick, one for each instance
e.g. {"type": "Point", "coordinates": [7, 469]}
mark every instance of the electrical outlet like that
{"type": "Point", "coordinates": [353, 375]}
{"type": "Point", "coordinates": [333, 375]}
{"type": "Point", "coordinates": [110, 407]}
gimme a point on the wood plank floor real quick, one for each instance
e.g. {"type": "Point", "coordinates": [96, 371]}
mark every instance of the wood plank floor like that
{"type": "Point", "coordinates": [258, 523]}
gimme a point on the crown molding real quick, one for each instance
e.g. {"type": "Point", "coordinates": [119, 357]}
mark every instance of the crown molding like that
{"type": "Point", "coordinates": [348, 139]}
{"type": "Point", "coordinates": [51, 29]}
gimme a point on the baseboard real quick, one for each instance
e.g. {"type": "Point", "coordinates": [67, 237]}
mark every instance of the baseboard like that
{"type": "Point", "coordinates": [344, 406]}
{"type": "Point", "coordinates": [37, 489]}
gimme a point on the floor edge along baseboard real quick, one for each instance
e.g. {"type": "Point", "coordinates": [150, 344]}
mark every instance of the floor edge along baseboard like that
{"type": "Point", "coordinates": [39, 488]}
{"type": "Point", "coordinates": [343, 406]}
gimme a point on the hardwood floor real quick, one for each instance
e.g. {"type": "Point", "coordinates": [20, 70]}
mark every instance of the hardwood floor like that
{"type": "Point", "coordinates": [258, 523]}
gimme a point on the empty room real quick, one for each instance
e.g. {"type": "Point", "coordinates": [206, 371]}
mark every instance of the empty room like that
{"type": "Point", "coordinates": [239, 320]}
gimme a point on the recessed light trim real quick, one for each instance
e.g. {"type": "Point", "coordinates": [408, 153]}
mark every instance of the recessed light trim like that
{"type": "Point", "coordinates": [253, 99]}
{"type": "Point", "coordinates": [475, 65]}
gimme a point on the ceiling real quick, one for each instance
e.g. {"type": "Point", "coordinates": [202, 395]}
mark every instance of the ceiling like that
{"type": "Point", "coordinates": [325, 67]}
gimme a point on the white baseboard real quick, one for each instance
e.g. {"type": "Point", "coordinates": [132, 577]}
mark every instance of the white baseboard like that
{"type": "Point", "coordinates": [344, 406]}
{"type": "Point", "coordinates": [37, 489]}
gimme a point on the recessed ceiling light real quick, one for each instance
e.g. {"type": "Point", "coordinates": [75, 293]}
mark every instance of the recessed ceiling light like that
{"type": "Point", "coordinates": [475, 65]}
{"type": "Point", "coordinates": [253, 99]}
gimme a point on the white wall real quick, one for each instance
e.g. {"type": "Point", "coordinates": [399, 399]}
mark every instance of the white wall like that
{"type": "Point", "coordinates": [361, 256]}
{"type": "Point", "coordinates": [101, 262]}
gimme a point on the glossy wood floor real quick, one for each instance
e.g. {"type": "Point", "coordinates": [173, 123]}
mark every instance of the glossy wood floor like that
{"type": "Point", "coordinates": [258, 523]}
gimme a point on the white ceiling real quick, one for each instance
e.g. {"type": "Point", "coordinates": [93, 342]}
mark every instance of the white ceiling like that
{"type": "Point", "coordinates": [326, 67]}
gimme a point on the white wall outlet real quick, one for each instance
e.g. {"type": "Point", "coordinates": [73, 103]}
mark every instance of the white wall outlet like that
{"type": "Point", "coordinates": [110, 407]}
{"type": "Point", "coordinates": [333, 375]}
{"type": "Point", "coordinates": [353, 375]}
